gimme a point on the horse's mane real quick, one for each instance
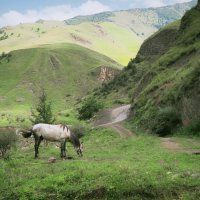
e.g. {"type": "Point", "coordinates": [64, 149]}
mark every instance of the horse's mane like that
{"type": "Point", "coordinates": [64, 126]}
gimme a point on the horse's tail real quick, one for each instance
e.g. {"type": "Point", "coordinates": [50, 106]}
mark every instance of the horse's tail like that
{"type": "Point", "coordinates": [26, 133]}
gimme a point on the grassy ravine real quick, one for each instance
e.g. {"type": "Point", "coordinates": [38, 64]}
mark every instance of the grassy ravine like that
{"type": "Point", "coordinates": [66, 71]}
{"type": "Point", "coordinates": [111, 168]}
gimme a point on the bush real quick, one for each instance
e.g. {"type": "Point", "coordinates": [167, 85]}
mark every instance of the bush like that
{"type": "Point", "coordinates": [194, 128]}
{"type": "Point", "coordinates": [8, 139]}
{"type": "Point", "coordinates": [165, 121]}
{"type": "Point", "coordinates": [89, 107]}
{"type": "Point", "coordinates": [43, 111]}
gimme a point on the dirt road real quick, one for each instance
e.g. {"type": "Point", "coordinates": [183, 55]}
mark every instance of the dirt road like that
{"type": "Point", "coordinates": [112, 117]}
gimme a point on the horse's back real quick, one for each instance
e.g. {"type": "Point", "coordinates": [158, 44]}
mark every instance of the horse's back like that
{"type": "Point", "coordinates": [51, 132]}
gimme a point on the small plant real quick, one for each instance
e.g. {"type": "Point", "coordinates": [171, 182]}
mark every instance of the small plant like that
{"type": "Point", "coordinates": [7, 140]}
{"type": "Point", "coordinates": [164, 121]}
{"type": "Point", "coordinates": [89, 107]}
{"type": "Point", "coordinates": [43, 111]}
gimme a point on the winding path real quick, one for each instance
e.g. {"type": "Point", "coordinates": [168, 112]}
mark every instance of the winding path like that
{"type": "Point", "coordinates": [112, 117]}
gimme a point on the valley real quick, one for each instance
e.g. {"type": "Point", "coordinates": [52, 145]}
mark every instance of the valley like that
{"type": "Point", "coordinates": [122, 88]}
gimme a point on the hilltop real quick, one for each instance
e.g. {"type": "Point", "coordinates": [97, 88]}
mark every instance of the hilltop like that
{"type": "Point", "coordinates": [67, 72]}
{"type": "Point", "coordinates": [111, 40]}
{"type": "Point", "coordinates": [163, 80]}
{"type": "Point", "coordinates": [117, 35]}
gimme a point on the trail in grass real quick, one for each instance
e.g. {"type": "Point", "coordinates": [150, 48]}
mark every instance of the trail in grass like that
{"type": "Point", "coordinates": [111, 118]}
{"type": "Point", "coordinates": [174, 146]}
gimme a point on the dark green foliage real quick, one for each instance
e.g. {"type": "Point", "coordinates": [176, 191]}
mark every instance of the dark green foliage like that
{"type": "Point", "coordinates": [131, 67]}
{"type": "Point", "coordinates": [194, 128]}
{"type": "Point", "coordinates": [89, 107]}
{"type": "Point", "coordinates": [3, 35]}
{"type": "Point", "coordinates": [8, 139]}
{"type": "Point", "coordinates": [164, 121]}
{"type": "Point", "coordinates": [100, 17]}
{"type": "Point", "coordinates": [43, 111]}
{"type": "Point", "coordinates": [5, 56]}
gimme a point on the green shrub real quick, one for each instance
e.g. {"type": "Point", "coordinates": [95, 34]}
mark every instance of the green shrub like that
{"type": "Point", "coordinates": [194, 128]}
{"type": "Point", "coordinates": [164, 121]}
{"type": "Point", "coordinates": [89, 107]}
{"type": "Point", "coordinates": [8, 139]}
{"type": "Point", "coordinates": [43, 111]}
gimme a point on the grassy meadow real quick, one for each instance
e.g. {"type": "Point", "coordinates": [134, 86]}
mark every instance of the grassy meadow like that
{"type": "Point", "coordinates": [111, 168]}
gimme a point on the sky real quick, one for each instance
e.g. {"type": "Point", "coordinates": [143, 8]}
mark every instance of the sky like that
{"type": "Point", "coordinates": [13, 12]}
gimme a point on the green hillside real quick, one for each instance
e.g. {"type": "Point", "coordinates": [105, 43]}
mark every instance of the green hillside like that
{"type": "Point", "coordinates": [163, 80]}
{"type": "Point", "coordinates": [111, 40]}
{"type": "Point", "coordinates": [66, 71]}
{"type": "Point", "coordinates": [117, 35]}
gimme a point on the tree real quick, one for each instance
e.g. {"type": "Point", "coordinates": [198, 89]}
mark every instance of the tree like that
{"type": "Point", "coordinates": [89, 107]}
{"type": "Point", "coordinates": [43, 111]}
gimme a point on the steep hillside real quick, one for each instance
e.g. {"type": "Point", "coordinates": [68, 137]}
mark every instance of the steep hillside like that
{"type": "Point", "coordinates": [143, 22]}
{"type": "Point", "coordinates": [67, 72]}
{"type": "Point", "coordinates": [163, 80]}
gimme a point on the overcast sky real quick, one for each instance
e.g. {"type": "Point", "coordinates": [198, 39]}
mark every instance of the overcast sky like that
{"type": "Point", "coordinates": [13, 12]}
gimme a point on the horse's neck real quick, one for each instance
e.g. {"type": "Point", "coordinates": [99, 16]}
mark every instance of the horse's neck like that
{"type": "Point", "coordinates": [74, 139]}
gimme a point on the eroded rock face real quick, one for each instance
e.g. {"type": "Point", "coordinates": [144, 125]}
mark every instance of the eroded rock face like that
{"type": "Point", "coordinates": [106, 74]}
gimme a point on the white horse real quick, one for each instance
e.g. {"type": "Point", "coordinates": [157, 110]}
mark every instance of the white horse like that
{"type": "Point", "coordinates": [55, 133]}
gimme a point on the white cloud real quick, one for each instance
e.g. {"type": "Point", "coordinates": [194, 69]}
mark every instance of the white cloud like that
{"type": "Point", "coordinates": [153, 3]}
{"type": "Point", "coordinates": [60, 12]}
{"type": "Point", "coordinates": [147, 4]}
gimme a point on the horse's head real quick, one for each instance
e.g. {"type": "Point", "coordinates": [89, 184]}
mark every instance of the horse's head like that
{"type": "Point", "coordinates": [79, 149]}
{"type": "Point", "coordinates": [24, 133]}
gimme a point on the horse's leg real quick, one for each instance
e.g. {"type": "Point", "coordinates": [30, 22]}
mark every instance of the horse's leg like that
{"type": "Point", "coordinates": [36, 149]}
{"type": "Point", "coordinates": [62, 149]}
{"type": "Point", "coordinates": [37, 144]}
{"type": "Point", "coordinates": [65, 149]}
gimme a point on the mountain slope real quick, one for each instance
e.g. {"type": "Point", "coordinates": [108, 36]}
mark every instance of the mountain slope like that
{"type": "Point", "coordinates": [106, 38]}
{"type": "Point", "coordinates": [163, 79]}
{"type": "Point", "coordinates": [143, 22]}
{"type": "Point", "coordinates": [117, 35]}
{"type": "Point", "coordinates": [67, 72]}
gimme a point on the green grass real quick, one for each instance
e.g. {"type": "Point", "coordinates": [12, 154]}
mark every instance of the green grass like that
{"type": "Point", "coordinates": [114, 41]}
{"type": "Point", "coordinates": [111, 168]}
{"type": "Point", "coordinates": [66, 71]}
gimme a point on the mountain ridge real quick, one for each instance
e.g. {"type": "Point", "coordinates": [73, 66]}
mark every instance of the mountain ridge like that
{"type": "Point", "coordinates": [117, 35]}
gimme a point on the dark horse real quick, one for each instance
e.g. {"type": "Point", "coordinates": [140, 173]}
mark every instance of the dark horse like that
{"type": "Point", "coordinates": [55, 133]}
